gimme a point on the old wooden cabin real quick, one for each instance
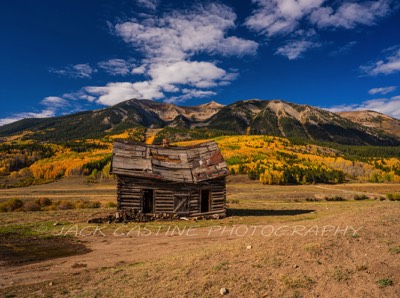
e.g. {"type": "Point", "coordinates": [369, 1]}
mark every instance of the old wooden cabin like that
{"type": "Point", "coordinates": [170, 181]}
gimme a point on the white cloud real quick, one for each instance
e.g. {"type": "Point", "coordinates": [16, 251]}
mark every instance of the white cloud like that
{"type": "Point", "coordinates": [290, 17]}
{"type": "Point", "coordinates": [181, 34]}
{"type": "Point", "coordinates": [387, 65]}
{"type": "Point", "coordinates": [81, 94]}
{"type": "Point", "coordinates": [116, 67]}
{"type": "Point", "coordinates": [274, 17]}
{"type": "Point", "coordinates": [382, 90]}
{"type": "Point", "coordinates": [168, 77]}
{"type": "Point", "coordinates": [190, 93]}
{"type": "Point", "coordinates": [198, 74]}
{"type": "Point", "coordinates": [388, 106]}
{"type": "Point", "coordinates": [350, 14]}
{"type": "Point", "coordinates": [43, 114]}
{"type": "Point", "coordinates": [54, 102]}
{"type": "Point", "coordinates": [294, 49]}
{"type": "Point", "coordinates": [114, 93]}
{"type": "Point", "coordinates": [167, 44]}
{"type": "Point", "coordinates": [52, 105]}
{"type": "Point", "coordinates": [149, 4]}
{"type": "Point", "coordinates": [77, 71]}
{"type": "Point", "coordinates": [236, 46]}
{"type": "Point", "coordinates": [139, 70]}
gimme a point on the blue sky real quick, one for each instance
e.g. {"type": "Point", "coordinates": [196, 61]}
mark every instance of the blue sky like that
{"type": "Point", "coordinates": [59, 57]}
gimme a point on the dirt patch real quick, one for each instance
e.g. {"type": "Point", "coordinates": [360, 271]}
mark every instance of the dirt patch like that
{"type": "Point", "coordinates": [275, 243]}
{"type": "Point", "coordinates": [16, 249]}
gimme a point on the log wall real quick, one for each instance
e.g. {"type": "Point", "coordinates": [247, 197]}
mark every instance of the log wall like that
{"type": "Point", "coordinates": [170, 198]}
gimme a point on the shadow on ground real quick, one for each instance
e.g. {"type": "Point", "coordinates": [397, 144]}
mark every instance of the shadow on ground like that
{"type": "Point", "coordinates": [261, 212]}
{"type": "Point", "coordinates": [17, 249]}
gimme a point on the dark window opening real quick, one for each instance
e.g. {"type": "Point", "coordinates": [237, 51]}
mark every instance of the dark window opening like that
{"type": "Point", "coordinates": [148, 201]}
{"type": "Point", "coordinates": [205, 200]}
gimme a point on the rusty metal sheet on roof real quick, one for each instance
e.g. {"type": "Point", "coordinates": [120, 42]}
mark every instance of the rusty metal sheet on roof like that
{"type": "Point", "coordinates": [190, 164]}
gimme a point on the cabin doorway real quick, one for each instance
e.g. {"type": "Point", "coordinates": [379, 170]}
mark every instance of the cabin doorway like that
{"type": "Point", "coordinates": [205, 200]}
{"type": "Point", "coordinates": [148, 201]}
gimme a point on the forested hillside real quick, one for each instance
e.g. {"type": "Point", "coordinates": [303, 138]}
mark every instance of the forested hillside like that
{"type": "Point", "coordinates": [245, 117]}
{"type": "Point", "coordinates": [269, 159]}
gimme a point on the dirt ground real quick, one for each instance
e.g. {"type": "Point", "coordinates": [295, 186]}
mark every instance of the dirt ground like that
{"type": "Point", "coordinates": [277, 242]}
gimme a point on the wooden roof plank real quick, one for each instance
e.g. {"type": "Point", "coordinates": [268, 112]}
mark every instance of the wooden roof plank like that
{"type": "Point", "coordinates": [179, 164]}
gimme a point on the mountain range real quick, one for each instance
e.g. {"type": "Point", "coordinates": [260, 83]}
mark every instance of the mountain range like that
{"type": "Point", "coordinates": [254, 116]}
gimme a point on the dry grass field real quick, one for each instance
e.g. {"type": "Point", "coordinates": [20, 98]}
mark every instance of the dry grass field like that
{"type": "Point", "coordinates": [278, 241]}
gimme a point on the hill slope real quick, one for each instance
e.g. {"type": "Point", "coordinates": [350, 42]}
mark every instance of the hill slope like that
{"type": "Point", "coordinates": [375, 120]}
{"type": "Point", "coordinates": [285, 119]}
{"type": "Point", "coordinates": [273, 117]}
{"type": "Point", "coordinates": [112, 120]}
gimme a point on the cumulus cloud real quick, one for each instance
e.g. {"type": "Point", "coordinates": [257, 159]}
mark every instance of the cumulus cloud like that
{"type": "Point", "coordinates": [382, 90]}
{"type": "Point", "coordinates": [116, 67]}
{"type": "Point", "coordinates": [148, 4]}
{"type": "Point", "coordinates": [114, 93]}
{"type": "Point", "coordinates": [294, 49]}
{"type": "Point", "coordinates": [233, 45]}
{"type": "Point", "coordinates": [19, 116]}
{"type": "Point", "coordinates": [168, 77]}
{"type": "Point", "coordinates": [139, 70]}
{"type": "Point", "coordinates": [388, 106]}
{"type": "Point", "coordinates": [389, 64]}
{"type": "Point", "coordinates": [77, 71]}
{"type": "Point", "coordinates": [351, 14]}
{"type": "Point", "coordinates": [181, 34]}
{"type": "Point", "coordinates": [190, 93]}
{"type": "Point", "coordinates": [275, 17]}
{"type": "Point", "coordinates": [54, 102]}
{"type": "Point", "coordinates": [81, 94]}
{"type": "Point", "coordinates": [168, 45]}
{"type": "Point", "coordinates": [198, 74]}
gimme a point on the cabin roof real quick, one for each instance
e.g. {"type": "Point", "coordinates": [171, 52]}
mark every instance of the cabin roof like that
{"type": "Point", "coordinates": [191, 164]}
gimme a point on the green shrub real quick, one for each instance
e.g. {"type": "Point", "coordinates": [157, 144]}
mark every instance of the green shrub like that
{"type": "Point", "coordinates": [96, 204]}
{"type": "Point", "coordinates": [385, 282]}
{"type": "Point", "coordinates": [393, 196]}
{"type": "Point", "coordinates": [361, 197]}
{"type": "Point", "coordinates": [11, 205]}
{"type": "Point", "coordinates": [111, 205]}
{"type": "Point", "coordinates": [45, 204]}
{"type": "Point", "coordinates": [83, 204]}
{"type": "Point", "coordinates": [335, 198]}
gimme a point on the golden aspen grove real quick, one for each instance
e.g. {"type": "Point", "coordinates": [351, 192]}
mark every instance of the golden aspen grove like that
{"type": "Point", "coordinates": [271, 160]}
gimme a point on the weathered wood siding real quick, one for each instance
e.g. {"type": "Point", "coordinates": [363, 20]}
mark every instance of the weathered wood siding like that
{"type": "Point", "coordinates": [183, 199]}
{"type": "Point", "coordinates": [194, 164]}
{"type": "Point", "coordinates": [129, 194]}
{"type": "Point", "coordinates": [218, 195]}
